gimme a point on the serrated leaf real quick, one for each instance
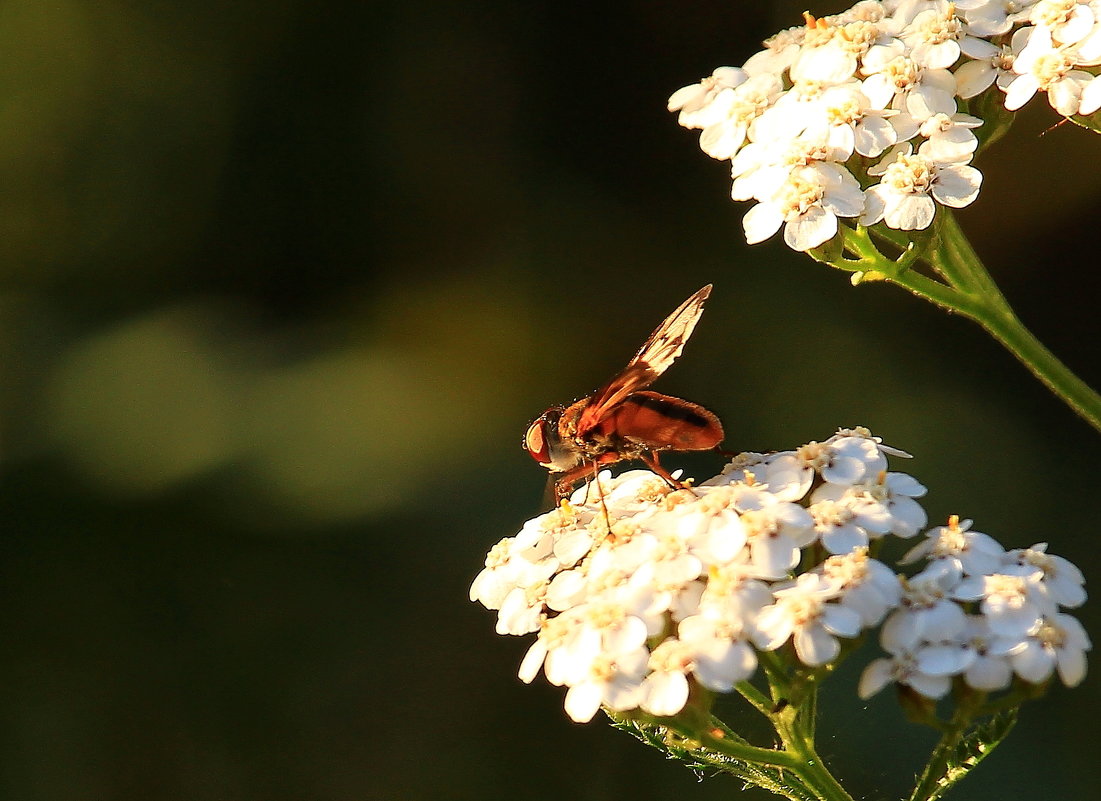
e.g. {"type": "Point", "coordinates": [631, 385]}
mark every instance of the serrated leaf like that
{"type": "Point", "coordinates": [707, 762]}
{"type": "Point", "coordinates": [948, 765]}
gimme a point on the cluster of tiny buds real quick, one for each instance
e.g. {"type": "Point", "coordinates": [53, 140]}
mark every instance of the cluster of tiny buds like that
{"type": "Point", "coordinates": [638, 591]}
{"type": "Point", "coordinates": [880, 91]}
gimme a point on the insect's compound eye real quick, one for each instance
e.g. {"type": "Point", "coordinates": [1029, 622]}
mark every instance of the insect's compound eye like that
{"type": "Point", "coordinates": [537, 441]}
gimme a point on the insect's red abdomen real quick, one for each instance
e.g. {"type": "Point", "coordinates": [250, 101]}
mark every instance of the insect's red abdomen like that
{"type": "Point", "coordinates": [664, 422]}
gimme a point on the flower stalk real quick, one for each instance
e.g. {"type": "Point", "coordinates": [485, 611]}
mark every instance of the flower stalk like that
{"type": "Point", "coordinates": [990, 309]}
{"type": "Point", "coordinates": [965, 287]}
{"type": "Point", "coordinates": [794, 770]}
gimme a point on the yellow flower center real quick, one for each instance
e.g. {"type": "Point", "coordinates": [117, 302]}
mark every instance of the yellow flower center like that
{"type": "Point", "coordinates": [830, 514]}
{"type": "Point", "coordinates": [1053, 14]}
{"type": "Point", "coordinates": [801, 609]}
{"type": "Point", "coordinates": [938, 29]}
{"type": "Point", "coordinates": [1050, 68]}
{"type": "Point", "coordinates": [850, 569]}
{"type": "Point", "coordinates": [798, 195]}
{"type": "Point", "coordinates": [909, 175]}
{"type": "Point", "coordinates": [902, 72]}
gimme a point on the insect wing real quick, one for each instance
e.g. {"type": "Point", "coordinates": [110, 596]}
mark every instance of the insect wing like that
{"type": "Point", "coordinates": [653, 358]}
{"type": "Point", "coordinates": [666, 343]}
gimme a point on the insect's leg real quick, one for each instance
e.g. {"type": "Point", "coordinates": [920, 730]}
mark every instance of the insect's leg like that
{"type": "Point", "coordinates": [651, 460]}
{"type": "Point", "coordinates": [564, 485]}
{"type": "Point", "coordinates": [600, 494]}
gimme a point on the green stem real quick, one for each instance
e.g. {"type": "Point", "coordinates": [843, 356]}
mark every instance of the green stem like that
{"type": "Point", "coordinates": [871, 261]}
{"type": "Point", "coordinates": [755, 697]}
{"type": "Point", "coordinates": [928, 783]}
{"type": "Point", "coordinates": [793, 770]}
{"type": "Point", "coordinates": [969, 291]}
{"type": "Point", "coordinates": [812, 772]}
{"type": "Point", "coordinates": [818, 779]}
{"type": "Point", "coordinates": [736, 749]}
{"type": "Point", "coordinates": [989, 308]}
{"type": "Point", "coordinates": [713, 746]}
{"type": "Point", "coordinates": [931, 784]}
{"type": "Point", "coordinates": [793, 719]}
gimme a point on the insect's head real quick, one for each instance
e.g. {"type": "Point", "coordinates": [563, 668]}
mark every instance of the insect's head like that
{"type": "Point", "coordinates": [546, 445]}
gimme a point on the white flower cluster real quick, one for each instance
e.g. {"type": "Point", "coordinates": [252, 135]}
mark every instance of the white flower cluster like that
{"type": "Point", "coordinates": [1016, 627]}
{"type": "Point", "coordinates": [637, 590]}
{"type": "Point", "coordinates": [879, 84]}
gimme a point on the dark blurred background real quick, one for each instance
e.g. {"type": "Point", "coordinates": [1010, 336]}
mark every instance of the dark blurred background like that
{"type": "Point", "coordinates": [283, 284]}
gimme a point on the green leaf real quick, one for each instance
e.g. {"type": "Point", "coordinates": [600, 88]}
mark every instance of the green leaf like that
{"type": "Point", "coordinates": [1091, 122]}
{"type": "Point", "coordinates": [950, 762]}
{"type": "Point", "coordinates": [708, 762]}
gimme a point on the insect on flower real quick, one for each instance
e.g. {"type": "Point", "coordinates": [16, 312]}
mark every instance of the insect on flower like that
{"type": "Point", "coordinates": [623, 420]}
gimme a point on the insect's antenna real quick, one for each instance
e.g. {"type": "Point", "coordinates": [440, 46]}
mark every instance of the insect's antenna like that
{"type": "Point", "coordinates": [1061, 122]}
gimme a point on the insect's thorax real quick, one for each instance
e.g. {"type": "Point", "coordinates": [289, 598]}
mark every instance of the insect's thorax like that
{"type": "Point", "coordinates": [603, 439]}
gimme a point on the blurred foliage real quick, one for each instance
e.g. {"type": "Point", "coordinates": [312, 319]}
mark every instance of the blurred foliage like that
{"type": "Point", "coordinates": [282, 284]}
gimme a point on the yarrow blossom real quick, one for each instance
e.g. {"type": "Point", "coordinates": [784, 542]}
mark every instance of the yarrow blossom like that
{"type": "Point", "coordinates": [982, 613]}
{"type": "Point", "coordinates": [638, 591]}
{"type": "Point", "coordinates": [885, 75]}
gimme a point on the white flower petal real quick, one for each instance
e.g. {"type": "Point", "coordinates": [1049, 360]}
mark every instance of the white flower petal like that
{"type": "Point", "coordinates": [827, 64]}
{"type": "Point", "coordinates": [761, 222]}
{"type": "Point", "coordinates": [943, 621]}
{"type": "Point", "coordinates": [908, 517]}
{"type": "Point", "coordinates": [1065, 96]}
{"type": "Point", "coordinates": [875, 205]}
{"type": "Point", "coordinates": [901, 632]}
{"type": "Point", "coordinates": [815, 646]}
{"type": "Point", "coordinates": [811, 229]}
{"type": "Point", "coordinates": [629, 635]}
{"type": "Point", "coordinates": [1020, 91]}
{"type": "Point", "coordinates": [1091, 97]}
{"type": "Point", "coordinates": [944, 660]}
{"type": "Point", "coordinates": [1071, 663]}
{"type": "Point", "coordinates": [877, 675]}
{"type": "Point", "coordinates": [910, 212]}
{"type": "Point", "coordinates": [843, 470]}
{"type": "Point", "coordinates": [873, 136]}
{"type": "Point", "coordinates": [841, 621]}
{"type": "Point", "coordinates": [583, 701]}
{"type": "Point", "coordinates": [665, 693]}
{"type": "Point", "coordinates": [773, 628]}
{"type": "Point", "coordinates": [844, 539]}
{"type": "Point", "coordinates": [989, 673]}
{"type": "Point", "coordinates": [774, 555]}
{"type": "Point", "coordinates": [1010, 621]}
{"type": "Point", "coordinates": [978, 49]}
{"type": "Point", "coordinates": [720, 664]}
{"type": "Point", "coordinates": [532, 661]}
{"type": "Point", "coordinates": [973, 77]}
{"type": "Point", "coordinates": [930, 686]}
{"type": "Point", "coordinates": [1033, 663]}
{"type": "Point", "coordinates": [925, 100]}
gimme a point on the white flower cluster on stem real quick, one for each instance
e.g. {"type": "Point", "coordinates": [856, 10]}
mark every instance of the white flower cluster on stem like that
{"type": "Point", "coordinates": [860, 115]}
{"type": "Point", "coordinates": [1015, 626]}
{"type": "Point", "coordinates": [638, 591]}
